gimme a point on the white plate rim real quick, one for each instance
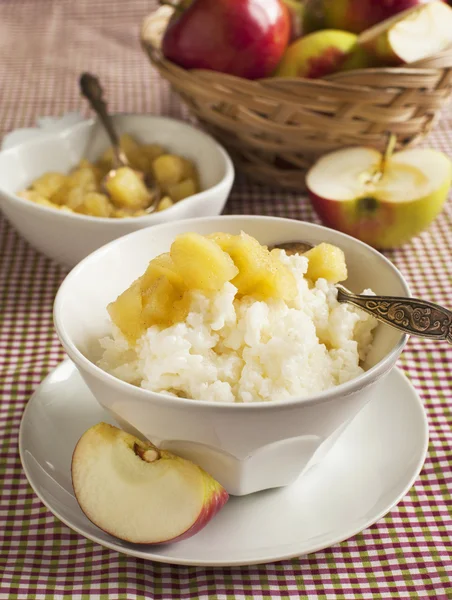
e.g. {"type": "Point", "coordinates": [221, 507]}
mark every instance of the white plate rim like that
{"type": "Point", "coordinates": [146, 555]}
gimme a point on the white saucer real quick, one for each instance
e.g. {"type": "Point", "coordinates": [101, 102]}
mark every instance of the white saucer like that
{"type": "Point", "coordinates": [371, 467]}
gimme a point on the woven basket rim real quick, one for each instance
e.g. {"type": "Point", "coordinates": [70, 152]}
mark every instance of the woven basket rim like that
{"type": "Point", "coordinates": [276, 127]}
{"type": "Point", "coordinates": [419, 67]}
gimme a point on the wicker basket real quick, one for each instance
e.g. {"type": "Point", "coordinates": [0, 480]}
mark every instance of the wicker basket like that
{"type": "Point", "coordinates": [276, 128]}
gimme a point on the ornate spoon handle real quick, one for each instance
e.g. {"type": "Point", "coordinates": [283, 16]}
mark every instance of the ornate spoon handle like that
{"type": "Point", "coordinates": [413, 316]}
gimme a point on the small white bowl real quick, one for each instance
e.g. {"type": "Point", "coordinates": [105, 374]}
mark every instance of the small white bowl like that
{"type": "Point", "coordinates": [67, 237]}
{"type": "Point", "coordinates": [247, 447]}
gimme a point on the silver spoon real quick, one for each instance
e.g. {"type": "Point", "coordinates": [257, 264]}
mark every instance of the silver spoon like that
{"type": "Point", "coordinates": [92, 90]}
{"type": "Point", "coordinates": [411, 315]}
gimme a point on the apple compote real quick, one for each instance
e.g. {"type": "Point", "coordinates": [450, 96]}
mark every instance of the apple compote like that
{"type": "Point", "coordinates": [84, 191]}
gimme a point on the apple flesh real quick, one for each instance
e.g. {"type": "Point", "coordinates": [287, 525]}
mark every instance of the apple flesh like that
{"type": "Point", "coordinates": [411, 36]}
{"type": "Point", "coordinates": [317, 54]}
{"type": "Point", "coordinates": [353, 15]}
{"type": "Point", "coordinates": [139, 493]}
{"type": "Point", "coordinates": [385, 208]}
{"type": "Point", "coordinates": [246, 38]}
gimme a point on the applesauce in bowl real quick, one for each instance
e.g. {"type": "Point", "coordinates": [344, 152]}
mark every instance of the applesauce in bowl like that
{"type": "Point", "coordinates": [247, 445]}
{"type": "Point", "coordinates": [68, 236]}
{"type": "Point", "coordinates": [85, 191]}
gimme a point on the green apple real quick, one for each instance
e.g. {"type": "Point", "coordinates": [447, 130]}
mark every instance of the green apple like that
{"type": "Point", "coordinates": [317, 54]}
{"type": "Point", "coordinates": [382, 201]}
{"type": "Point", "coordinates": [410, 36]}
{"type": "Point", "coordinates": [139, 493]}
{"type": "Point", "coordinates": [359, 58]}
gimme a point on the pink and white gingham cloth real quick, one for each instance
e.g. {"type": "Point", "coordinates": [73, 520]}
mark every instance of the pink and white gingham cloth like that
{"type": "Point", "coordinates": [44, 46]}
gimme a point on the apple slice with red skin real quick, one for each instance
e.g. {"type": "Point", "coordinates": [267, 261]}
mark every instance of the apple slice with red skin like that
{"type": "Point", "coordinates": [139, 493]}
{"type": "Point", "coordinates": [410, 36]}
{"type": "Point", "coordinates": [383, 203]}
{"type": "Point", "coordinates": [353, 15]}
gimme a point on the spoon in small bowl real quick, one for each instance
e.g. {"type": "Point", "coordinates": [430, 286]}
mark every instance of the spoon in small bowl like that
{"type": "Point", "coordinates": [91, 89]}
{"type": "Point", "coordinates": [412, 316]}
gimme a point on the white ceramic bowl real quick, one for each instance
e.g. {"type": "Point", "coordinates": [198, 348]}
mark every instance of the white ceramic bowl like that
{"type": "Point", "coordinates": [66, 237]}
{"type": "Point", "coordinates": [247, 447]}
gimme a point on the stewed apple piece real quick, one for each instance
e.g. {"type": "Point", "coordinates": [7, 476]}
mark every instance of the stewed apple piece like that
{"type": "Point", "coordinates": [158, 302]}
{"type": "Point", "coordinates": [96, 205]}
{"type": "Point", "coordinates": [176, 176]}
{"type": "Point", "coordinates": [164, 203]}
{"type": "Point", "coordinates": [170, 169]}
{"type": "Point", "coordinates": [201, 262]}
{"type": "Point", "coordinates": [183, 189]}
{"type": "Point", "coordinates": [161, 266]}
{"type": "Point", "coordinates": [48, 184]}
{"type": "Point", "coordinates": [326, 261]}
{"type": "Point", "coordinates": [127, 189]}
{"type": "Point", "coordinates": [125, 311]}
{"type": "Point", "coordinates": [261, 274]}
{"type": "Point", "coordinates": [139, 493]}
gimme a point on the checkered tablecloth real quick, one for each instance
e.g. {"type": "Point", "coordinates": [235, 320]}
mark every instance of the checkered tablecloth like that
{"type": "Point", "coordinates": [44, 45]}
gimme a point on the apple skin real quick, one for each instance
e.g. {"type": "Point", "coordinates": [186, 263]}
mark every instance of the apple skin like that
{"type": "Point", "coordinates": [246, 38]}
{"type": "Point", "coordinates": [354, 15]}
{"type": "Point", "coordinates": [383, 42]}
{"type": "Point", "coordinates": [317, 54]}
{"type": "Point", "coordinates": [359, 58]}
{"type": "Point", "coordinates": [380, 224]}
{"type": "Point", "coordinates": [378, 46]}
{"type": "Point", "coordinates": [215, 498]}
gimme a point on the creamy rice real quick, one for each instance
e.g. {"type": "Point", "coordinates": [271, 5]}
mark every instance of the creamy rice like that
{"type": "Point", "coordinates": [243, 350]}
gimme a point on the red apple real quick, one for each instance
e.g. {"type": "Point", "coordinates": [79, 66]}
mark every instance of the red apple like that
{"type": "Point", "coordinates": [354, 15]}
{"type": "Point", "coordinates": [139, 493]}
{"type": "Point", "coordinates": [246, 38]}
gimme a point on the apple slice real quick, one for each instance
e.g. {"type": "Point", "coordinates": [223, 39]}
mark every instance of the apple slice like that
{"type": "Point", "coordinates": [138, 493]}
{"type": "Point", "coordinates": [410, 36]}
{"type": "Point", "coordinates": [352, 15]}
{"type": "Point", "coordinates": [382, 202]}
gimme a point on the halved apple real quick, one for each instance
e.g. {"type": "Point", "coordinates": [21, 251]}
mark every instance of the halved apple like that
{"type": "Point", "coordinates": [383, 203]}
{"type": "Point", "coordinates": [139, 493]}
{"type": "Point", "coordinates": [410, 36]}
